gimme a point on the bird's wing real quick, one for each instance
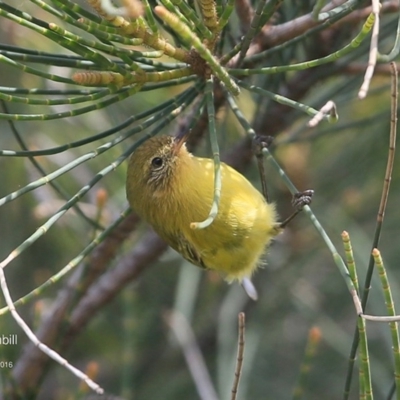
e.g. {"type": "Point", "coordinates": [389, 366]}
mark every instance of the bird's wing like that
{"type": "Point", "coordinates": [189, 252]}
{"type": "Point", "coordinates": [179, 243]}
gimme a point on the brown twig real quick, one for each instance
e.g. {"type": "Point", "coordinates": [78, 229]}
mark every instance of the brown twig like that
{"type": "Point", "coordinates": [275, 35]}
{"type": "Point", "coordinates": [240, 355]}
{"type": "Point", "coordinates": [392, 144]}
{"type": "Point", "coordinates": [31, 365]}
{"type": "Point", "coordinates": [245, 13]}
{"type": "Point", "coordinates": [100, 259]}
{"type": "Point", "coordinates": [128, 268]}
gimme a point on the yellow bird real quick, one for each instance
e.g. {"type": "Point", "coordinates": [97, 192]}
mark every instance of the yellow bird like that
{"type": "Point", "coordinates": [170, 189]}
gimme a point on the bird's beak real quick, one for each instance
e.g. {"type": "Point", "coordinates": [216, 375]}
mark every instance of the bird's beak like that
{"type": "Point", "coordinates": [179, 141]}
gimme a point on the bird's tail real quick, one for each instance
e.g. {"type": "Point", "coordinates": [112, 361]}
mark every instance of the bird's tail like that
{"type": "Point", "coordinates": [250, 289]}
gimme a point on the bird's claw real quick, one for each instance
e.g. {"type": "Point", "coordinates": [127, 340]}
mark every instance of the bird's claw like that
{"type": "Point", "coordinates": [261, 142]}
{"type": "Point", "coordinates": [302, 199]}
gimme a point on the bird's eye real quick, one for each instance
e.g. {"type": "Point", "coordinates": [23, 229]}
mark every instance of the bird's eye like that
{"type": "Point", "coordinates": [157, 162]}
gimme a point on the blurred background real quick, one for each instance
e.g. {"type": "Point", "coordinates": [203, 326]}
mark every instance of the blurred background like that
{"type": "Point", "coordinates": [130, 340]}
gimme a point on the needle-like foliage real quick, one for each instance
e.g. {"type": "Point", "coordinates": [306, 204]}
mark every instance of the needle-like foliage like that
{"type": "Point", "coordinates": [83, 84]}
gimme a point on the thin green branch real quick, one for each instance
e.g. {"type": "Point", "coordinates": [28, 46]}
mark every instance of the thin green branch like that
{"type": "Point", "coordinates": [254, 29]}
{"type": "Point", "coordinates": [49, 92]}
{"type": "Point", "coordinates": [73, 20]}
{"type": "Point", "coordinates": [52, 59]}
{"type": "Point", "coordinates": [385, 58]}
{"type": "Point", "coordinates": [175, 10]}
{"type": "Point", "coordinates": [94, 27]}
{"type": "Point", "coordinates": [391, 312]}
{"type": "Point", "coordinates": [354, 277]}
{"type": "Point", "coordinates": [335, 255]}
{"type": "Point", "coordinates": [33, 71]}
{"type": "Point", "coordinates": [103, 78]}
{"type": "Point", "coordinates": [318, 6]}
{"type": "Point", "coordinates": [224, 19]}
{"type": "Point", "coordinates": [230, 54]}
{"type": "Point", "coordinates": [191, 15]}
{"type": "Point", "coordinates": [269, 10]}
{"type": "Point", "coordinates": [165, 116]}
{"type": "Point", "coordinates": [92, 154]}
{"type": "Point", "coordinates": [266, 54]}
{"type": "Point", "coordinates": [64, 60]}
{"type": "Point", "coordinates": [209, 94]}
{"type": "Point", "coordinates": [39, 290]}
{"type": "Point", "coordinates": [188, 36]}
{"type": "Point", "coordinates": [209, 12]}
{"type": "Point", "coordinates": [61, 171]}
{"type": "Point", "coordinates": [379, 222]}
{"type": "Point", "coordinates": [52, 102]}
{"type": "Point", "coordinates": [71, 43]}
{"type": "Point", "coordinates": [365, 370]}
{"type": "Point", "coordinates": [73, 113]}
{"type": "Point", "coordinates": [350, 260]}
{"type": "Point", "coordinates": [102, 135]}
{"type": "Point", "coordinates": [58, 188]}
{"type": "Point", "coordinates": [345, 8]}
{"type": "Point", "coordinates": [99, 150]}
{"type": "Point", "coordinates": [19, 16]}
{"type": "Point", "coordinates": [281, 99]}
{"type": "Point", "coordinates": [100, 175]}
{"type": "Point", "coordinates": [73, 7]}
{"type": "Point", "coordinates": [312, 63]}
{"type": "Point", "coordinates": [151, 21]}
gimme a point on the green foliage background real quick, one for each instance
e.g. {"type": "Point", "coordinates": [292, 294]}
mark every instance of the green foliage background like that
{"type": "Point", "coordinates": [129, 340]}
